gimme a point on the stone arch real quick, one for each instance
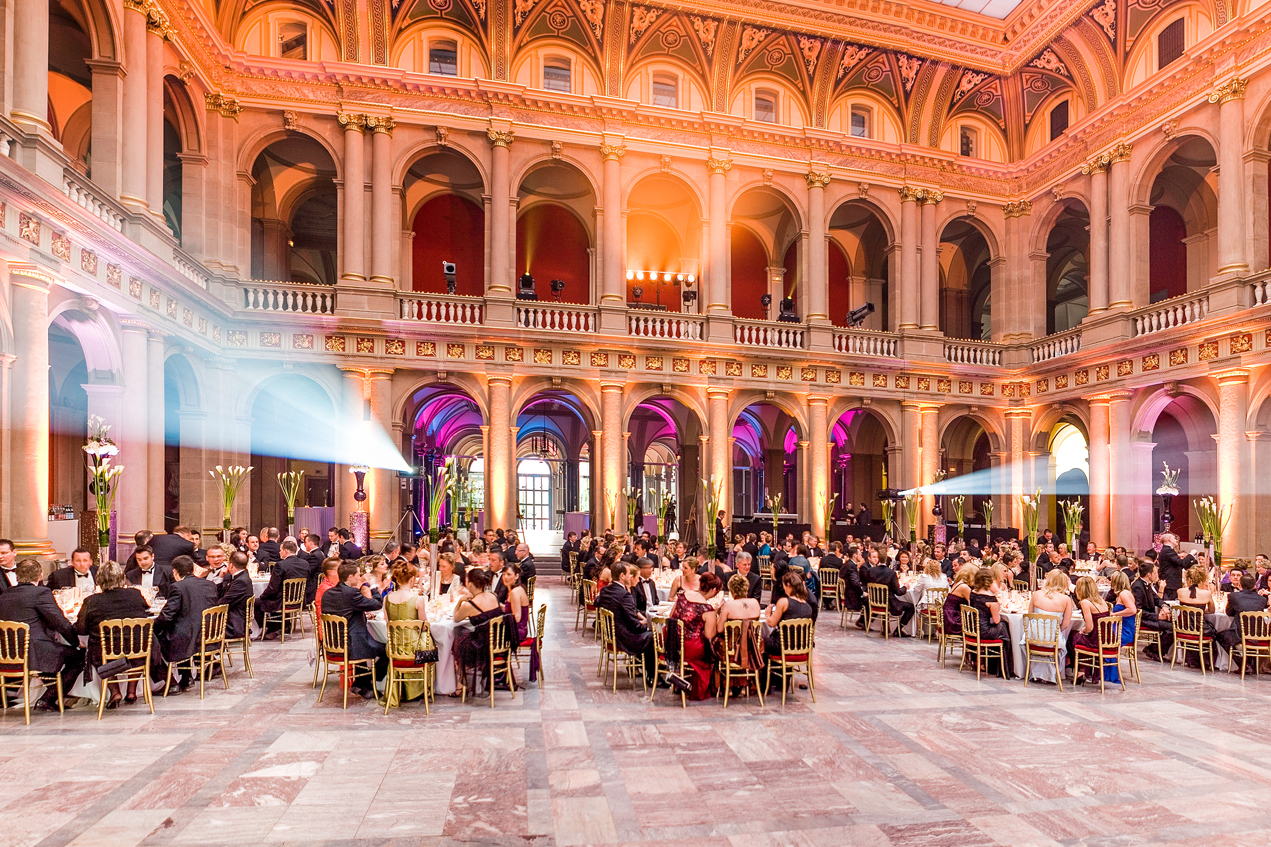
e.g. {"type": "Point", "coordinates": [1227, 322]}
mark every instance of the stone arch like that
{"type": "Point", "coordinates": [190, 388]}
{"type": "Point", "coordinates": [1147, 407]}
{"type": "Point", "coordinates": [952, 417]}
{"type": "Point", "coordinates": [327, 378]}
{"type": "Point", "coordinates": [888, 420]}
{"type": "Point", "coordinates": [1153, 163]}
{"type": "Point", "coordinates": [252, 147]}
{"type": "Point", "coordinates": [977, 222]}
{"type": "Point", "coordinates": [97, 335]}
{"type": "Point", "coordinates": [102, 27]}
{"type": "Point", "coordinates": [689, 398]}
{"type": "Point", "coordinates": [588, 399]}
{"type": "Point", "coordinates": [786, 403]}
{"type": "Point", "coordinates": [423, 149]}
{"type": "Point", "coordinates": [586, 169]}
{"type": "Point", "coordinates": [404, 393]}
{"type": "Point", "coordinates": [189, 124]}
{"type": "Point", "coordinates": [1044, 425]}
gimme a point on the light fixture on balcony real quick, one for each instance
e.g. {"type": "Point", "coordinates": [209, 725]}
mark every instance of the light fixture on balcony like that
{"type": "Point", "coordinates": [525, 288]}
{"type": "Point", "coordinates": [766, 302]}
{"type": "Point", "coordinates": [787, 311]}
{"type": "Point", "coordinates": [448, 271]}
{"type": "Point", "coordinates": [558, 285]}
{"type": "Point", "coordinates": [857, 316]}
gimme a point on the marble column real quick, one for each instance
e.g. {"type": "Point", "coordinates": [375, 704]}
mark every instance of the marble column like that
{"type": "Point", "coordinates": [818, 284]}
{"type": "Point", "coordinates": [31, 65]}
{"type": "Point", "coordinates": [930, 457]}
{"type": "Point", "coordinates": [1100, 477]}
{"type": "Point", "coordinates": [1121, 504]}
{"type": "Point", "coordinates": [501, 245]}
{"type": "Point", "coordinates": [156, 412]}
{"type": "Point", "coordinates": [929, 261]}
{"type": "Point", "coordinates": [910, 459]}
{"type": "Point", "coordinates": [718, 299]}
{"type": "Point", "coordinates": [612, 270]}
{"type": "Point", "coordinates": [7, 465]}
{"type": "Point", "coordinates": [134, 190]}
{"type": "Point", "coordinates": [154, 118]}
{"type": "Point", "coordinates": [29, 410]}
{"type": "Point", "coordinates": [500, 466]}
{"type": "Point", "coordinates": [599, 511]}
{"type": "Point", "coordinates": [381, 483]}
{"type": "Point", "coordinates": [355, 411]}
{"type": "Point", "coordinates": [1017, 476]}
{"type": "Point", "coordinates": [1119, 260]}
{"type": "Point", "coordinates": [1097, 168]}
{"type": "Point", "coordinates": [384, 229]}
{"type": "Point", "coordinates": [1233, 459]}
{"type": "Point", "coordinates": [353, 246]}
{"type": "Point", "coordinates": [910, 290]}
{"type": "Point", "coordinates": [819, 464]}
{"type": "Point", "coordinates": [1230, 98]}
{"type": "Point", "coordinates": [132, 501]}
{"type": "Point", "coordinates": [108, 109]}
{"type": "Point", "coordinates": [614, 468]}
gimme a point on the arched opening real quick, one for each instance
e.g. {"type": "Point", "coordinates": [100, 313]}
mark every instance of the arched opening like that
{"type": "Point", "coordinates": [182, 458]}
{"type": "Point", "coordinates": [553, 431]}
{"type": "Point", "coordinates": [965, 282]}
{"type": "Point", "coordinates": [71, 82]}
{"type": "Point", "coordinates": [444, 423]}
{"type": "Point", "coordinates": [278, 446]}
{"type": "Point", "coordinates": [765, 461]}
{"type": "Point", "coordinates": [68, 417]}
{"type": "Point", "coordinates": [664, 464]}
{"type": "Point", "coordinates": [1183, 438]}
{"type": "Point", "coordinates": [1069, 478]}
{"type": "Point", "coordinates": [765, 230]}
{"type": "Point", "coordinates": [664, 238]}
{"type": "Point", "coordinates": [172, 181]}
{"type": "Point", "coordinates": [554, 231]}
{"type": "Point", "coordinates": [858, 265]}
{"type": "Point", "coordinates": [858, 468]}
{"type": "Point", "coordinates": [1182, 228]}
{"type": "Point", "coordinates": [1067, 268]}
{"type": "Point", "coordinates": [965, 449]}
{"type": "Point", "coordinates": [294, 212]}
{"type": "Point", "coordinates": [449, 223]}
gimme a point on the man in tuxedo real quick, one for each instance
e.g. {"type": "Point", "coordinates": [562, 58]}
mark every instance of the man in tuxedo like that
{"type": "Point", "coordinates": [526, 562]}
{"type": "Point", "coordinates": [179, 626]}
{"type": "Point", "coordinates": [291, 567]}
{"type": "Point", "coordinates": [899, 605]}
{"type": "Point", "coordinates": [351, 599]}
{"type": "Point", "coordinates": [631, 629]}
{"type": "Point", "coordinates": [270, 550]}
{"type": "Point", "coordinates": [147, 574]}
{"type": "Point", "coordinates": [570, 546]}
{"type": "Point", "coordinates": [139, 539]}
{"type": "Point", "coordinates": [213, 563]}
{"type": "Point", "coordinates": [1247, 599]}
{"type": "Point", "coordinates": [1172, 566]}
{"type": "Point", "coordinates": [645, 590]}
{"type": "Point", "coordinates": [81, 573]}
{"type": "Point", "coordinates": [30, 603]}
{"type": "Point", "coordinates": [234, 591]}
{"type": "Point", "coordinates": [1155, 614]}
{"type": "Point", "coordinates": [751, 546]}
{"type": "Point", "coordinates": [8, 565]}
{"type": "Point", "coordinates": [312, 553]}
{"type": "Point", "coordinates": [348, 549]}
{"type": "Point", "coordinates": [850, 585]}
{"type": "Point", "coordinates": [180, 542]}
{"type": "Point", "coordinates": [720, 536]}
{"type": "Point", "coordinates": [863, 517]}
{"type": "Point", "coordinates": [332, 548]}
{"type": "Point", "coordinates": [746, 567]}
{"type": "Point", "coordinates": [253, 551]}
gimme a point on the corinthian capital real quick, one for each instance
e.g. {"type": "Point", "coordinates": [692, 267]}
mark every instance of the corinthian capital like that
{"type": "Point", "coordinates": [908, 193]}
{"type": "Point", "coordinates": [718, 166]}
{"type": "Point", "coordinates": [1120, 153]}
{"type": "Point", "coordinates": [381, 124]}
{"type": "Point", "coordinates": [933, 196]}
{"type": "Point", "coordinates": [1097, 165]}
{"type": "Point", "coordinates": [500, 137]}
{"type": "Point", "coordinates": [818, 179]}
{"type": "Point", "coordinates": [1017, 208]}
{"type": "Point", "coordinates": [612, 151]}
{"type": "Point", "coordinates": [1232, 89]}
{"type": "Point", "coordinates": [348, 120]}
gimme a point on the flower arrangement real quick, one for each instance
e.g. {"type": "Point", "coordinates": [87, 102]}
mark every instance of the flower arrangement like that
{"type": "Point", "coordinates": [444, 481]}
{"type": "Point", "coordinates": [1169, 481]}
{"type": "Point", "coordinates": [632, 498]}
{"type": "Point", "coordinates": [230, 479]}
{"type": "Point", "coordinates": [290, 483]}
{"type": "Point", "coordinates": [612, 510]}
{"type": "Point", "coordinates": [99, 451]}
{"type": "Point", "coordinates": [911, 514]}
{"type": "Point", "coordinates": [957, 502]}
{"type": "Point", "coordinates": [714, 492]}
{"type": "Point", "coordinates": [773, 502]}
{"type": "Point", "coordinates": [1072, 510]}
{"type": "Point", "coordinates": [1030, 505]}
{"type": "Point", "coordinates": [887, 508]}
{"type": "Point", "coordinates": [664, 509]}
{"type": "Point", "coordinates": [829, 513]}
{"type": "Point", "coordinates": [1213, 522]}
{"type": "Point", "coordinates": [987, 508]}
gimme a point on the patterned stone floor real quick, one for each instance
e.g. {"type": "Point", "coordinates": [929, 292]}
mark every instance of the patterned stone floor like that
{"type": "Point", "coordinates": [896, 751]}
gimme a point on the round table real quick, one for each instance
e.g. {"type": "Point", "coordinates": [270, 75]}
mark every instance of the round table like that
{"type": "Point", "coordinates": [1041, 671]}
{"type": "Point", "coordinates": [443, 634]}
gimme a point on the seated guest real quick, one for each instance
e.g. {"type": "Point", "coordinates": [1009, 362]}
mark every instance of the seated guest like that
{"type": "Point", "coordinates": [1093, 609]}
{"type": "Point", "coordinates": [696, 619]}
{"type": "Point", "coordinates": [179, 626]}
{"type": "Point", "coordinates": [270, 600]}
{"type": "Point", "coordinates": [1054, 598]}
{"type": "Point", "coordinates": [793, 605]}
{"type": "Point", "coordinates": [985, 602]}
{"type": "Point", "coordinates": [1156, 615]}
{"type": "Point", "coordinates": [351, 598]}
{"type": "Point", "coordinates": [515, 601]}
{"type": "Point", "coordinates": [570, 546]}
{"type": "Point", "coordinates": [81, 573]}
{"type": "Point", "coordinates": [630, 627]}
{"type": "Point", "coordinates": [450, 575]}
{"type": "Point", "coordinates": [746, 569]}
{"type": "Point", "coordinates": [472, 645]}
{"type": "Point", "coordinates": [213, 565]}
{"type": "Point", "coordinates": [898, 602]}
{"type": "Point", "coordinates": [234, 591]}
{"type": "Point", "coordinates": [30, 603]}
{"type": "Point", "coordinates": [687, 579]}
{"type": "Point", "coordinates": [1122, 600]}
{"type": "Point", "coordinates": [959, 595]}
{"type": "Point", "coordinates": [348, 549]}
{"type": "Point", "coordinates": [741, 606]}
{"type": "Point", "coordinates": [149, 575]}
{"type": "Point", "coordinates": [330, 578]}
{"type": "Point", "coordinates": [406, 603]}
{"type": "Point", "coordinates": [179, 542]}
{"type": "Point", "coordinates": [1239, 602]}
{"type": "Point", "coordinates": [270, 550]}
{"type": "Point", "coordinates": [851, 588]}
{"type": "Point", "coordinates": [117, 600]}
{"type": "Point", "coordinates": [645, 589]}
{"type": "Point", "coordinates": [525, 563]}
{"type": "Point", "coordinates": [931, 577]}
{"type": "Point", "coordinates": [139, 539]}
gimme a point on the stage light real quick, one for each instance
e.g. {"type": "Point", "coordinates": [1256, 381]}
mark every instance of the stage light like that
{"type": "Point", "coordinates": [666, 277]}
{"type": "Point", "coordinates": [766, 302]}
{"type": "Point", "coordinates": [689, 296]}
{"type": "Point", "coordinates": [857, 316]}
{"type": "Point", "coordinates": [640, 275]}
{"type": "Point", "coordinates": [679, 277]}
{"type": "Point", "coordinates": [787, 312]}
{"type": "Point", "coordinates": [448, 271]}
{"type": "Point", "coordinates": [691, 279]}
{"type": "Point", "coordinates": [558, 285]}
{"type": "Point", "coordinates": [525, 288]}
{"type": "Point", "coordinates": [630, 274]}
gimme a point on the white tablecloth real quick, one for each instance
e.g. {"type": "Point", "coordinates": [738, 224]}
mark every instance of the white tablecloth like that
{"type": "Point", "coordinates": [443, 633]}
{"type": "Point", "coordinates": [1042, 671]}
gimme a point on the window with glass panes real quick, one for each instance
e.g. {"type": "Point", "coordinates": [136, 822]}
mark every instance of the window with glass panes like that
{"type": "Point", "coordinates": [534, 493]}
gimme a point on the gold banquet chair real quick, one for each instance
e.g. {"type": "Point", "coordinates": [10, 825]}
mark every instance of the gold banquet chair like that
{"type": "Point", "coordinates": [404, 638]}
{"type": "Point", "coordinates": [292, 611]}
{"type": "Point", "coordinates": [1189, 636]}
{"type": "Point", "coordinates": [1041, 644]}
{"type": "Point", "coordinates": [1108, 654]}
{"type": "Point", "coordinates": [612, 657]}
{"type": "Point", "coordinates": [878, 603]}
{"type": "Point", "coordinates": [500, 660]}
{"type": "Point", "coordinates": [14, 640]}
{"type": "Point", "coordinates": [211, 650]}
{"type": "Point", "coordinates": [973, 644]}
{"type": "Point", "coordinates": [932, 612]}
{"type": "Point", "coordinates": [1255, 641]}
{"type": "Point", "coordinates": [664, 666]}
{"type": "Point", "coordinates": [335, 654]}
{"type": "Point", "coordinates": [732, 643]}
{"type": "Point", "coordinates": [127, 638]}
{"type": "Point", "coordinates": [246, 641]}
{"type": "Point", "coordinates": [795, 637]}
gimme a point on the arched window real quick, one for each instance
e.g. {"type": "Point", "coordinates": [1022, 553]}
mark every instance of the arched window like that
{"type": "Point", "coordinates": [1171, 43]}
{"type": "Point", "coordinates": [293, 40]}
{"type": "Point", "coordinates": [1058, 120]}
{"type": "Point", "coordinates": [666, 91]}
{"type": "Point", "coordinates": [766, 106]}
{"type": "Point", "coordinates": [556, 75]}
{"type": "Point", "coordinates": [534, 493]}
{"type": "Point", "coordinates": [443, 57]}
{"type": "Point", "coordinates": [862, 122]}
{"type": "Point", "coordinates": [968, 142]}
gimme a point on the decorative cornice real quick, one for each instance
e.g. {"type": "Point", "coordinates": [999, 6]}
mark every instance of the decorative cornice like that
{"type": "Point", "coordinates": [500, 137]}
{"type": "Point", "coordinates": [227, 106]}
{"type": "Point", "coordinates": [349, 120]}
{"type": "Point", "coordinates": [383, 124]}
{"type": "Point", "coordinates": [612, 151]}
{"type": "Point", "coordinates": [1120, 153]}
{"type": "Point", "coordinates": [1232, 89]}
{"type": "Point", "coordinates": [818, 179]}
{"type": "Point", "coordinates": [718, 166]}
{"type": "Point", "coordinates": [1017, 208]}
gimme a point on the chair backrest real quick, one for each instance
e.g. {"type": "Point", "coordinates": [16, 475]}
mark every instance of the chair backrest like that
{"type": "Point", "coordinates": [604, 622]}
{"type": "Point", "coordinates": [573, 560]}
{"type": "Point", "coordinates": [829, 579]}
{"type": "Point", "coordinates": [764, 563]}
{"type": "Point", "coordinates": [879, 595]}
{"type": "Point", "coordinates": [733, 634]}
{"type": "Point", "coordinates": [1020, 584]}
{"type": "Point", "coordinates": [1110, 633]}
{"type": "Point", "coordinates": [126, 638]}
{"type": "Point", "coordinates": [540, 623]}
{"type": "Point", "coordinates": [589, 592]}
{"type": "Point", "coordinates": [1188, 620]}
{"type": "Point", "coordinates": [499, 646]}
{"type": "Point", "coordinates": [529, 589]}
{"type": "Point", "coordinates": [250, 608]}
{"type": "Point", "coordinates": [795, 636]}
{"type": "Point", "coordinates": [335, 634]}
{"type": "Point", "coordinates": [1042, 630]}
{"type": "Point", "coordinates": [214, 620]}
{"type": "Point", "coordinates": [1255, 626]}
{"type": "Point", "coordinates": [659, 635]}
{"type": "Point", "coordinates": [933, 598]}
{"type": "Point", "coordinates": [405, 637]}
{"type": "Point", "coordinates": [14, 638]}
{"type": "Point", "coordinates": [293, 593]}
{"type": "Point", "coordinates": [970, 622]}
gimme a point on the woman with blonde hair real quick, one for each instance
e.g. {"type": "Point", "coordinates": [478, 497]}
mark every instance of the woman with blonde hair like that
{"type": "Point", "coordinates": [931, 577]}
{"type": "Point", "coordinates": [687, 579]}
{"type": "Point", "coordinates": [115, 599]}
{"type": "Point", "coordinates": [1122, 600]}
{"type": "Point", "coordinates": [1093, 609]}
{"type": "Point", "coordinates": [406, 603]}
{"type": "Point", "coordinates": [1053, 598]}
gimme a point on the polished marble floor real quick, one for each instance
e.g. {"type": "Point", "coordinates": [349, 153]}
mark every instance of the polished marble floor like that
{"type": "Point", "coordinates": [896, 751]}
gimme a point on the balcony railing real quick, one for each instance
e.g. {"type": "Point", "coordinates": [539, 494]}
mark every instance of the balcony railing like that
{"type": "Point", "coordinates": [556, 318]}
{"type": "Point", "coordinates": [1054, 346]}
{"type": "Point", "coordinates": [80, 191]}
{"type": "Point", "coordinates": [188, 268]}
{"type": "Point", "coordinates": [1166, 314]}
{"type": "Point", "coordinates": [769, 334]}
{"type": "Point", "coordinates": [973, 353]}
{"type": "Point", "coordinates": [643, 325]}
{"type": "Point", "coordinates": [864, 342]}
{"type": "Point", "coordinates": [261, 295]}
{"type": "Point", "coordinates": [443, 309]}
{"type": "Point", "coordinates": [1261, 290]}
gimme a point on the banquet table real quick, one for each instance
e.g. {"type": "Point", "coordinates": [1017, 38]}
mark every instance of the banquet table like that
{"type": "Point", "coordinates": [443, 627]}
{"type": "Point", "coordinates": [70, 606]}
{"type": "Point", "coordinates": [1221, 622]}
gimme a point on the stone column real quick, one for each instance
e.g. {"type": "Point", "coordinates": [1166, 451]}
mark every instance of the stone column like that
{"type": "Point", "coordinates": [1024, 303]}
{"type": "Point", "coordinates": [930, 263]}
{"type": "Point", "coordinates": [29, 407]}
{"type": "Point", "coordinates": [909, 292]}
{"type": "Point", "coordinates": [354, 413]}
{"type": "Point", "coordinates": [720, 468]}
{"type": "Point", "coordinates": [599, 510]}
{"type": "Point", "coordinates": [717, 293]}
{"type": "Point", "coordinates": [1097, 168]}
{"type": "Point", "coordinates": [1230, 97]}
{"type": "Point", "coordinates": [132, 502]}
{"type": "Point", "coordinates": [818, 285]}
{"type": "Point", "coordinates": [352, 249]}
{"type": "Point", "coordinates": [819, 465]}
{"type": "Point", "coordinates": [384, 229]}
{"type": "Point", "coordinates": [614, 468]}
{"type": "Point", "coordinates": [501, 246]}
{"type": "Point", "coordinates": [1100, 477]}
{"type": "Point", "coordinates": [500, 466]}
{"type": "Point", "coordinates": [1121, 503]}
{"type": "Point", "coordinates": [1119, 230]}
{"type": "Point", "coordinates": [134, 190]}
{"type": "Point", "coordinates": [154, 117]}
{"type": "Point", "coordinates": [381, 483]}
{"type": "Point", "coordinates": [108, 108]}
{"type": "Point", "coordinates": [930, 457]}
{"type": "Point", "coordinates": [7, 465]}
{"type": "Point", "coordinates": [612, 274]}
{"type": "Point", "coordinates": [156, 413]}
{"type": "Point", "coordinates": [31, 66]}
{"type": "Point", "coordinates": [910, 456]}
{"type": "Point", "coordinates": [1233, 458]}
{"type": "Point", "coordinates": [1017, 484]}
